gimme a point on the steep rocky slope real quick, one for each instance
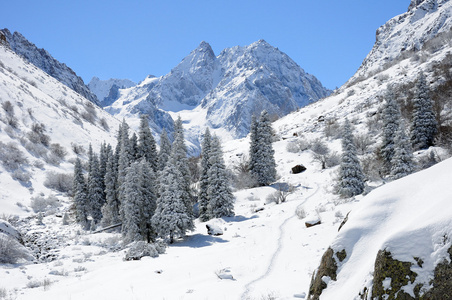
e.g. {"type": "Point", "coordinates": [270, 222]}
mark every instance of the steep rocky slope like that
{"type": "Point", "coordinates": [107, 91]}
{"type": "Point", "coordinates": [43, 60]}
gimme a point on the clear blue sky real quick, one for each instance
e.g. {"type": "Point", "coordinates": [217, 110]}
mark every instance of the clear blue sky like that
{"type": "Point", "coordinates": [131, 39]}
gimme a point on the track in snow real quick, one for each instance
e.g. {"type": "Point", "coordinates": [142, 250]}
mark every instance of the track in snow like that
{"type": "Point", "coordinates": [277, 251]}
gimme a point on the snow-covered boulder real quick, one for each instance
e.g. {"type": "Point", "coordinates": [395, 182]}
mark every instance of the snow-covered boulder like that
{"type": "Point", "coordinates": [213, 229]}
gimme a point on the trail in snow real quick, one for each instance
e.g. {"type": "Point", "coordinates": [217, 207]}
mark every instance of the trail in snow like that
{"type": "Point", "coordinates": [278, 249]}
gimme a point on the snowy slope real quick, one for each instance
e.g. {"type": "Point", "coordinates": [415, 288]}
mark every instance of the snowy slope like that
{"type": "Point", "coordinates": [69, 119]}
{"type": "Point", "coordinates": [43, 60]}
{"type": "Point", "coordinates": [106, 91]}
{"type": "Point", "coordinates": [408, 217]}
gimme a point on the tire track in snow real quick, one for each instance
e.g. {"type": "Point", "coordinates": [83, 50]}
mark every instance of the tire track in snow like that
{"type": "Point", "coordinates": [278, 249]}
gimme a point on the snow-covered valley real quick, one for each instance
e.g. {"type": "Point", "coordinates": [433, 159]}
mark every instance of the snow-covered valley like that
{"type": "Point", "coordinates": [314, 244]}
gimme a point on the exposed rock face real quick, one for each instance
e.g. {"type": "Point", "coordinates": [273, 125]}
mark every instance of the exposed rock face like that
{"type": "Point", "coordinates": [43, 60]}
{"type": "Point", "coordinates": [328, 268]}
{"type": "Point", "coordinates": [298, 169]}
{"type": "Point", "coordinates": [107, 91]}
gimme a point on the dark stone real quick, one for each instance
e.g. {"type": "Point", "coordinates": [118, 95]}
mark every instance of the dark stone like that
{"type": "Point", "coordinates": [341, 255]}
{"type": "Point", "coordinates": [328, 267]}
{"type": "Point", "coordinates": [442, 281]}
{"type": "Point", "coordinates": [298, 169]}
{"type": "Point", "coordinates": [310, 224]}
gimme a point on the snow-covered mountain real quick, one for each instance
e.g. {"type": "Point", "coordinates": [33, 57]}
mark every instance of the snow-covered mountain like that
{"type": "Point", "coordinates": [107, 91]}
{"type": "Point", "coordinates": [224, 91]}
{"type": "Point", "coordinates": [43, 60]}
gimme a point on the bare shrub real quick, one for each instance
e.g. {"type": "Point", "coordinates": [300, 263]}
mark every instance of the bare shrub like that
{"type": "Point", "coordinates": [78, 149]}
{"type": "Point", "coordinates": [8, 107]}
{"type": "Point", "coordinates": [242, 178]}
{"type": "Point", "coordinates": [21, 175]}
{"type": "Point", "coordinates": [38, 150]}
{"type": "Point", "coordinates": [297, 145]}
{"type": "Point", "coordinates": [372, 167]}
{"type": "Point", "coordinates": [45, 283]}
{"type": "Point", "coordinates": [11, 251]}
{"type": "Point", "coordinates": [104, 124]}
{"type": "Point", "coordinates": [38, 135]}
{"type": "Point", "coordinates": [140, 249]}
{"type": "Point", "coordinates": [40, 204]}
{"type": "Point", "coordinates": [300, 212]}
{"type": "Point", "coordinates": [362, 143]}
{"type": "Point", "coordinates": [58, 150]}
{"type": "Point", "coordinates": [89, 114]}
{"type": "Point", "coordinates": [60, 182]}
{"type": "Point", "coordinates": [11, 157]}
{"type": "Point", "coordinates": [322, 154]}
{"type": "Point", "coordinates": [332, 129]}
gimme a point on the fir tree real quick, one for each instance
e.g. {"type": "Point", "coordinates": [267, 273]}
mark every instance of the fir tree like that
{"type": "Point", "coordinates": [165, 150]}
{"type": "Point", "coordinates": [351, 177]}
{"type": "Point", "coordinates": [171, 219]}
{"type": "Point", "coordinates": [146, 143]}
{"type": "Point", "coordinates": [203, 198]}
{"type": "Point", "coordinates": [180, 161]}
{"type": "Point", "coordinates": [262, 160]}
{"type": "Point", "coordinates": [423, 127]}
{"type": "Point", "coordinates": [402, 161]}
{"type": "Point", "coordinates": [391, 123]}
{"type": "Point", "coordinates": [133, 147]}
{"type": "Point", "coordinates": [148, 183]}
{"type": "Point", "coordinates": [95, 190]}
{"type": "Point", "coordinates": [110, 211]}
{"type": "Point", "coordinates": [80, 190]}
{"type": "Point", "coordinates": [132, 223]}
{"type": "Point", "coordinates": [221, 200]}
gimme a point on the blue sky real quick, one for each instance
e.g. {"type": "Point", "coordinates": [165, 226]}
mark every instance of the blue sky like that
{"type": "Point", "coordinates": [132, 39]}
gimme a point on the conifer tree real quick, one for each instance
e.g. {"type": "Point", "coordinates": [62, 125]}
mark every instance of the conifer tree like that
{"type": "Point", "coordinates": [262, 160]}
{"type": "Point", "coordinates": [391, 121]}
{"type": "Point", "coordinates": [351, 177]}
{"type": "Point", "coordinates": [221, 200]}
{"type": "Point", "coordinates": [110, 211]}
{"type": "Point", "coordinates": [402, 162]}
{"type": "Point", "coordinates": [133, 201]}
{"type": "Point", "coordinates": [95, 190]}
{"type": "Point", "coordinates": [133, 147]}
{"type": "Point", "coordinates": [148, 182]}
{"type": "Point", "coordinates": [423, 127]}
{"type": "Point", "coordinates": [146, 143]}
{"type": "Point", "coordinates": [80, 191]}
{"type": "Point", "coordinates": [180, 161]}
{"type": "Point", "coordinates": [171, 219]}
{"type": "Point", "coordinates": [203, 197]}
{"type": "Point", "coordinates": [165, 150]}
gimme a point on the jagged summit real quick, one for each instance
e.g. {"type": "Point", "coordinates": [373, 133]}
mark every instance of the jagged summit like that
{"type": "Point", "coordinates": [43, 60]}
{"type": "Point", "coordinates": [224, 91]}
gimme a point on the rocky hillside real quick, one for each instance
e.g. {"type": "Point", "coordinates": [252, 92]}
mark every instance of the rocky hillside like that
{"type": "Point", "coordinates": [43, 60]}
{"type": "Point", "coordinates": [224, 91]}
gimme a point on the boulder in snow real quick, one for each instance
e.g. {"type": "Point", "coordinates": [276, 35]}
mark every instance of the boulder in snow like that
{"type": "Point", "coordinates": [312, 221]}
{"type": "Point", "coordinates": [214, 230]}
{"type": "Point", "coordinates": [298, 169]}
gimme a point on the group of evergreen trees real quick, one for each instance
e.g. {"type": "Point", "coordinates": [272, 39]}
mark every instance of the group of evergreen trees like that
{"type": "Point", "coordinates": [215, 197]}
{"type": "Point", "coordinates": [396, 150]}
{"type": "Point", "coordinates": [145, 190]}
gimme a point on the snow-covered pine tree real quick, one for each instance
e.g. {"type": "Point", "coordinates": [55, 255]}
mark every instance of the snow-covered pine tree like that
{"type": "Point", "coordinates": [165, 150]}
{"type": "Point", "coordinates": [424, 125]}
{"type": "Point", "coordinates": [90, 158]}
{"type": "Point", "coordinates": [133, 147]}
{"type": "Point", "coordinates": [110, 211]}
{"type": "Point", "coordinates": [132, 220]}
{"type": "Point", "coordinates": [402, 163]}
{"type": "Point", "coordinates": [180, 161]}
{"type": "Point", "coordinates": [105, 151]}
{"type": "Point", "coordinates": [391, 120]}
{"type": "Point", "coordinates": [253, 152]}
{"type": "Point", "coordinates": [124, 162]}
{"type": "Point", "coordinates": [148, 183]}
{"type": "Point", "coordinates": [171, 219]}
{"type": "Point", "coordinates": [95, 190]}
{"type": "Point", "coordinates": [262, 160]}
{"type": "Point", "coordinates": [80, 190]}
{"type": "Point", "coordinates": [351, 177]}
{"type": "Point", "coordinates": [146, 143]}
{"type": "Point", "coordinates": [220, 197]}
{"type": "Point", "coordinates": [203, 198]}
